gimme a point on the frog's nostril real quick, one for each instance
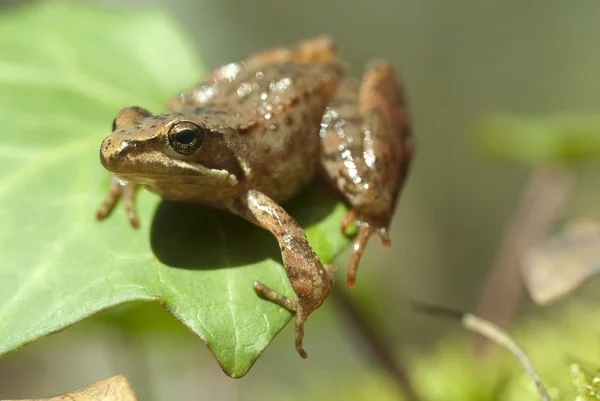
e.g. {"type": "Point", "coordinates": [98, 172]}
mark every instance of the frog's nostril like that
{"type": "Point", "coordinates": [115, 152]}
{"type": "Point", "coordinates": [126, 146]}
{"type": "Point", "coordinates": [109, 152]}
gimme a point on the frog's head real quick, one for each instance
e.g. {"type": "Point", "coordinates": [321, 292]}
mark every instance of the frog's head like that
{"type": "Point", "coordinates": [157, 149]}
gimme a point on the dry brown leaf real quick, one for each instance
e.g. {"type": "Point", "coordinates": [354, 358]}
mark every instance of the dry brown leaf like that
{"type": "Point", "coordinates": [545, 194]}
{"type": "Point", "coordinates": [563, 262]}
{"type": "Point", "coordinates": [115, 388]}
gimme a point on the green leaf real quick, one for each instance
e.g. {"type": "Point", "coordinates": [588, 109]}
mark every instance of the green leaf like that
{"type": "Point", "coordinates": [65, 71]}
{"type": "Point", "coordinates": [538, 140]}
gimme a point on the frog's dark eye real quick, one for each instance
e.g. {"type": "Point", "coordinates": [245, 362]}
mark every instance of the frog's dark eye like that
{"type": "Point", "coordinates": [114, 125]}
{"type": "Point", "coordinates": [185, 137]}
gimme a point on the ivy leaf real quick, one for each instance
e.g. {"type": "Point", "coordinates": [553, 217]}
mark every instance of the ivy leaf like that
{"type": "Point", "coordinates": [65, 71]}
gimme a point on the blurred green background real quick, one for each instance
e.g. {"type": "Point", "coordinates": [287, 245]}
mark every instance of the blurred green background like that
{"type": "Point", "coordinates": [459, 61]}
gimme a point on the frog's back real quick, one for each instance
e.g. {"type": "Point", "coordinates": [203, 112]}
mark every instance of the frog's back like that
{"type": "Point", "coordinates": [251, 95]}
{"type": "Point", "coordinates": [272, 114]}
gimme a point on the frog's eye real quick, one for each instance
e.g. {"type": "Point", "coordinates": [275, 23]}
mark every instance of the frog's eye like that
{"type": "Point", "coordinates": [185, 137]}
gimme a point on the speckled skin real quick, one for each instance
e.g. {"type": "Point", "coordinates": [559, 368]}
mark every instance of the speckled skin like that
{"type": "Point", "coordinates": [267, 125]}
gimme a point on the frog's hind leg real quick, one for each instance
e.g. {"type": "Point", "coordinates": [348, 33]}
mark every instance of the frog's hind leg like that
{"type": "Point", "coordinates": [120, 189]}
{"type": "Point", "coordinates": [366, 152]}
{"type": "Point", "coordinates": [317, 49]}
{"type": "Point", "coordinates": [310, 280]}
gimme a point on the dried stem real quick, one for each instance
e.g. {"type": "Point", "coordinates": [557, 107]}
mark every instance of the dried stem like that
{"type": "Point", "coordinates": [546, 192]}
{"type": "Point", "coordinates": [495, 334]}
{"type": "Point", "coordinates": [378, 347]}
{"type": "Point", "coordinates": [500, 337]}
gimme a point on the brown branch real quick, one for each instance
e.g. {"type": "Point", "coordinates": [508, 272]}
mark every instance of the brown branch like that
{"type": "Point", "coordinates": [546, 192]}
{"type": "Point", "coordinates": [379, 348]}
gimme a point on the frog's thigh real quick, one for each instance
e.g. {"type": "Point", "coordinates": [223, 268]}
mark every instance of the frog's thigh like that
{"type": "Point", "coordinates": [317, 49]}
{"type": "Point", "coordinates": [365, 140]}
{"type": "Point", "coordinates": [366, 150]}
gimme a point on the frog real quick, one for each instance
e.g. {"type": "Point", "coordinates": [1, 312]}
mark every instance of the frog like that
{"type": "Point", "coordinates": [254, 133]}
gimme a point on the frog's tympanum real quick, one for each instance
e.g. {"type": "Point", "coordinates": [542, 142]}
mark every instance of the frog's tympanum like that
{"type": "Point", "coordinates": [254, 133]}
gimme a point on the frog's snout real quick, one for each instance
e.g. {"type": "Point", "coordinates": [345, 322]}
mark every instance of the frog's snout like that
{"type": "Point", "coordinates": [105, 153]}
{"type": "Point", "coordinates": [112, 151]}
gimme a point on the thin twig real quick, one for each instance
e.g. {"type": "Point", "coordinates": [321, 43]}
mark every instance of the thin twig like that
{"type": "Point", "coordinates": [379, 348]}
{"type": "Point", "coordinates": [546, 192]}
{"type": "Point", "coordinates": [495, 334]}
{"type": "Point", "coordinates": [500, 337]}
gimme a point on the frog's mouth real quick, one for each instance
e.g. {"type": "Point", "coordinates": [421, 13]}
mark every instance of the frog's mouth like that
{"type": "Point", "coordinates": [132, 163]}
{"type": "Point", "coordinates": [151, 173]}
{"type": "Point", "coordinates": [191, 171]}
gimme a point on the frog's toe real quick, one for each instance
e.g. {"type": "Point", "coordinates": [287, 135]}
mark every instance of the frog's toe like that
{"type": "Point", "coordinates": [301, 352]}
{"type": "Point", "coordinates": [129, 191]}
{"type": "Point", "coordinates": [102, 212]}
{"type": "Point", "coordinates": [110, 200]}
{"type": "Point", "coordinates": [349, 219]}
{"type": "Point", "coordinates": [367, 227]}
{"type": "Point", "coordinates": [360, 242]}
{"type": "Point", "coordinates": [300, 320]}
{"type": "Point", "coordinates": [274, 296]}
{"type": "Point", "coordinates": [120, 189]}
{"type": "Point", "coordinates": [384, 236]}
{"type": "Point", "coordinates": [133, 219]}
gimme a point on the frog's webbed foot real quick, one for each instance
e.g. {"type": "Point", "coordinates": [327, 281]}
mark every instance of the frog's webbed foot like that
{"type": "Point", "coordinates": [120, 189]}
{"type": "Point", "coordinates": [367, 148]}
{"type": "Point", "coordinates": [366, 228]}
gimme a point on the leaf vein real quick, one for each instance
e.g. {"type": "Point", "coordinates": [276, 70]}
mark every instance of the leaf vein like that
{"type": "Point", "coordinates": [34, 166]}
{"type": "Point", "coordinates": [73, 81]}
{"type": "Point", "coordinates": [231, 302]}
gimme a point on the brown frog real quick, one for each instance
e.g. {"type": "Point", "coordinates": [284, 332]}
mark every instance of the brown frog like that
{"type": "Point", "coordinates": [254, 133]}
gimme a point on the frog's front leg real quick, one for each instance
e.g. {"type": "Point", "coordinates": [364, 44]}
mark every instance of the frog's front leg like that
{"type": "Point", "coordinates": [309, 279]}
{"type": "Point", "coordinates": [366, 152]}
{"type": "Point", "coordinates": [120, 189]}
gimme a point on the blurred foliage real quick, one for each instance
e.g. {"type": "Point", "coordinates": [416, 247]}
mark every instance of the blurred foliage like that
{"type": "Point", "coordinates": [541, 139]}
{"type": "Point", "coordinates": [586, 385]}
{"type": "Point", "coordinates": [564, 350]}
